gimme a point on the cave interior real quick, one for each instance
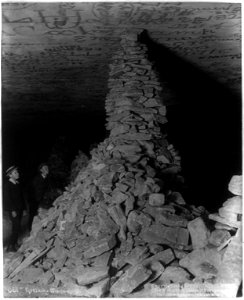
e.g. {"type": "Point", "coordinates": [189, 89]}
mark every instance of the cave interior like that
{"type": "Point", "coordinates": [55, 69]}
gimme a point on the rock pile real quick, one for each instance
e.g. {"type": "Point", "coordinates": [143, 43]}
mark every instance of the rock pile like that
{"type": "Point", "coordinates": [121, 227]}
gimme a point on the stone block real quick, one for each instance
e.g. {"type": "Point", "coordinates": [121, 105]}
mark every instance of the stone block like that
{"type": "Point", "coordinates": [223, 226]}
{"type": "Point", "coordinates": [130, 280]}
{"type": "Point", "coordinates": [99, 289]}
{"type": "Point", "coordinates": [128, 149]}
{"type": "Point", "coordinates": [229, 215]}
{"type": "Point", "coordinates": [169, 219]}
{"type": "Point", "coordinates": [30, 275]}
{"type": "Point", "coordinates": [100, 246]}
{"type": "Point", "coordinates": [157, 269]}
{"type": "Point", "coordinates": [225, 221]}
{"type": "Point", "coordinates": [235, 185]}
{"type": "Point", "coordinates": [230, 271]}
{"type": "Point", "coordinates": [203, 263]}
{"type": "Point", "coordinates": [151, 103]}
{"type": "Point", "coordinates": [154, 234]}
{"type": "Point", "coordinates": [177, 235]}
{"type": "Point", "coordinates": [174, 275]}
{"type": "Point", "coordinates": [180, 253]}
{"type": "Point", "coordinates": [136, 136]}
{"type": "Point", "coordinates": [118, 197]}
{"type": "Point", "coordinates": [155, 248]}
{"type": "Point", "coordinates": [91, 275]}
{"type": "Point", "coordinates": [137, 220]}
{"type": "Point", "coordinates": [103, 259]}
{"type": "Point", "coordinates": [234, 204]}
{"type": "Point", "coordinates": [165, 257]}
{"type": "Point", "coordinates": [160, 234]}
{"type": "Point", "coordinates": [177, 198]}
{"type": "Point", "coordinates": [218, 237]}
{"type": "Point", "coordinates": [46, 278]}
{"type": "Point", "coordinates": [137, 255]}
{"type": "Point", "coordinates": [163, 159]}
{"type": "Point", "coordinates": [199, 233]}
{"type": "Point", "coordinates": [156, 199]}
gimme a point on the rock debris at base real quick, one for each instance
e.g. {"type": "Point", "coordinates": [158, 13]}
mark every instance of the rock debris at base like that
{"type": "Point", "coordinates": [122, 227]}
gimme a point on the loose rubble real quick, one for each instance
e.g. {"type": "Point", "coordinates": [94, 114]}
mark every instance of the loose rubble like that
{"type": "Point", "coordinates": [121, 229]}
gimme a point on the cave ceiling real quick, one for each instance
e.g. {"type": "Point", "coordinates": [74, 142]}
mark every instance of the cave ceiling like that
{"type": "Point", "coordinates": [55, 56]}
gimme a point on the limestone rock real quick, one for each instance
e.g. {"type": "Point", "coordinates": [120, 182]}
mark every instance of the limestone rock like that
{"type": "Point", "coordinates": [203, 263]}
{"type": "Point", "coordinates": [30, 275]}
{"type": "Point", "coordinates": [131, 279]}
{"type": "Point", "coordinates": [156, 199]}
{"type": "Point", "coordinates": [234, 205]}
{"type": "Point", "coordinates": [230, 270]}
{"type": "Point", "coordinates": [231, 223]}
{"type": "Point", "coordinates": [155, 248]}
{"type": "Point", "coordinates": [137, 255]}
{"type": "Point", "coordinates": [169, 219]}
{"type": "Point", "coordinates": [223, 226]}
{"type": "Point", "coordinates": [177, 198]}
{"type": "Point", "coordinates": [92, 274]}
{"type": "Point", "coordinates": [160, 234]}
{"type": "Point", "coordinates": [229, 215]}
{"type": "Point", "coordinates": [174, 275]}
{"type": "Point", "coordinates": [164, 257]}
{"type": "Point", "coordinates": [100, 246]}
{"type": "Point", "coordinates": [198, 232]}
{"type": "Point", "coordinates": [235, 185]}
{"type": "Point", "coordinates": [218, 237]}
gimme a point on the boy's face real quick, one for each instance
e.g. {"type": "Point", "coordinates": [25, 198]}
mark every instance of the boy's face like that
{"type": "Point", "coordinates": [14, 174]}
{"type": "Point", "coordinates": [45, 170]}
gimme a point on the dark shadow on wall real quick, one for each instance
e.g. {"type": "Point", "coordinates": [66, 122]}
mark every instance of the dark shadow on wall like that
{"type": "Point", "coordinates": [205, 125]}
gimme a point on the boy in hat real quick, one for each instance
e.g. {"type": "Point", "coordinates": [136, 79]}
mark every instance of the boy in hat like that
{"type": "Point", "coordinates": [14, 204]}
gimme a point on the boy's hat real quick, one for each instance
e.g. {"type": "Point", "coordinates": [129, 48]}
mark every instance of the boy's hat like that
{"type": "Point", "coordinates": [10, 170]}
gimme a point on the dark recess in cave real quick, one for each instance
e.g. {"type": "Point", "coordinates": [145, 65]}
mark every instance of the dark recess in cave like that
{"type": "Point", "coordinates": [28, 142]}
{"type": "Point", "coordinates": [204, 125]}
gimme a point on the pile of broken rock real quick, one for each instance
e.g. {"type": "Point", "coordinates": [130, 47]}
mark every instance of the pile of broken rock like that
{"type": "Point", "coordinates": [121, 228]}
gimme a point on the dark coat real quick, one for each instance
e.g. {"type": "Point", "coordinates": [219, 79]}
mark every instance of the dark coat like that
{"type": "Point", "coordinates": [13, 199]}
{"type": "Point", "coordinates": [40, 187]}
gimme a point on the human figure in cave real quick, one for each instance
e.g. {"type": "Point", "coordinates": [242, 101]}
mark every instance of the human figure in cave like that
{"type": "Point", "coordinates": [14, 204]}
{"type": "Point", "coordinates": [40, 186]}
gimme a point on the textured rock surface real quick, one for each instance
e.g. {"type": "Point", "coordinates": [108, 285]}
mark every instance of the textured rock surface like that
{"type": "Point", "coordinates": [131, 279]}
{"type": "Point", "coordinates": [198, 232]}
{"type": "Point", "coordinates": [203, 263]}
{"type": "Point", "coordinates": [235, 185]}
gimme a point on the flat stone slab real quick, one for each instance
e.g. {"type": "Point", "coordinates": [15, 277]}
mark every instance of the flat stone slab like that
{"type": "Point", "coordinates": [131, 279]}
{"type": "Point", "coordinates": [174, 275]}
{"type": "Point", "coordinates": [222, 220]}
{"type": "Point", "coordinates": [235, 185]}
{"type": "Point", "coordinates": [218, 237]}
{"type": "Point", "coordinates": [160, 234]}
{"type": "Point", "coordinates": [92, 274]}
{"type": "Point", "coordinates": [234, 204]}
{"type": "Point", "coordinates": [198, 232]}
{"type": "Point", "coordinates": [101, 246]}
{"type": "Point", "coordinates": [202, 263]}
{"type": "Point", "coordinates": [156, 199]}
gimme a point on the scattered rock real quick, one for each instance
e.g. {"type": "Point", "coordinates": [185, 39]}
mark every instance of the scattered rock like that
{"type": "Point", "coordinates": [235, 185]}
{"type": "Point", "coordinates": [130, 280]}
{"type": "Point", "coordinates": [174, 275]}
{"type": "Point", "coordinates": [198, 232]}
{"type": "Point", "coordinates": [156, 199]}
{"type": "Point", "coordinates": [218, 237]}
{"type": "Point", "coordinates": [203, 263]}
